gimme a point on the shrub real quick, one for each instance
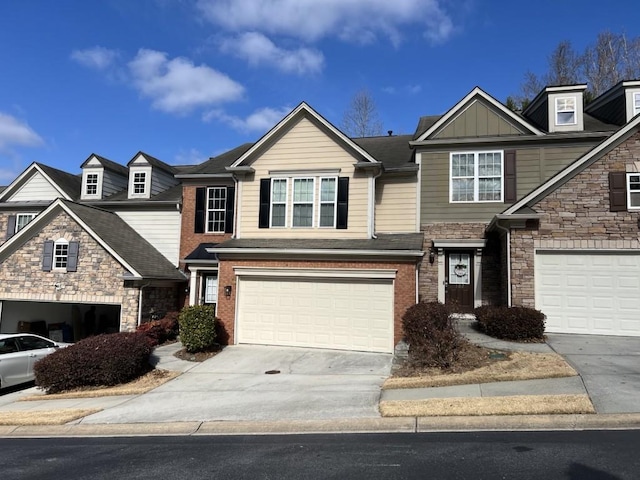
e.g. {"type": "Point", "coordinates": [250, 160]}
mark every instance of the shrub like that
{"type": "Point", "coordinates": [511, 323]}
{"type": "Point", "coordinates": [108, 359]}
{"type": "Point", "coordinates": [161, 331]}
{"type": "Point", "coordinates": [197, 327]}
{"type": "Point", "coordinates": [429, 331]}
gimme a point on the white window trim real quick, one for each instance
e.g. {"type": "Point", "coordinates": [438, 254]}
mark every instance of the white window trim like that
{"type": "Point", "coordinates": [207, 210]}
{"type": "Point", "coordinates": [476, 177]}
{"type": "Point", "coordinates": [574, 110]}
{"type": "Point", "coordinates": [636, 102]}
{"type": "Point", "coordinates": [294, 203]}
{"type": "Point", "coordinates": [60, 241]}
{"type": "Point", "coordinates": [321, 202]}
{"type": "Point", "coordinates": [85, 185]}
{"type": "Point", "coordinates": [628, 185]}
{"type": "Point", "coordinates": [18, 215]}
{"type": "Point", "coordinates": [286, 202]}
{"type": "Point", "coordinates": [135, 183]}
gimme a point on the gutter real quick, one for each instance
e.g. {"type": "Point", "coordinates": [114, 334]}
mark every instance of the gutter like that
{"type": "Point", "coordinates": [305, 251]}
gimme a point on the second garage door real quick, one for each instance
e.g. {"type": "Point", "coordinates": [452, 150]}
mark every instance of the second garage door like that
{"type": "Point", "coordinates": [345, 314]}
{"type": "Point", "coordinates": [589, 292]}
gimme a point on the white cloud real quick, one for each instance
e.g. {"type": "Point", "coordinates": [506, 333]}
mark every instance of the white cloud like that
{"type": "Point", "coordinates": [258, 49]}
{"type": "Point", "coordinates": [359, 21]}
{"type": "Point", "coordinates": [98, 58]}
{"type": "Point", "coordinates": [177, 85]}
{"type": "Point", "coordinates": [193, 156]}
{"type": "Point", "coordinates": [408, 89]}
{"type": "Point", "coordinates": [13, 132]}
{"type": "Point", "coordinates": [259, 121]}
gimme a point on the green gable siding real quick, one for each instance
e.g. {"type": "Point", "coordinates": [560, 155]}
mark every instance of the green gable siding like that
{"type": "Point", "coordinates": [478, 120]}
{"type": "Point", "coordinates": [534, 165]}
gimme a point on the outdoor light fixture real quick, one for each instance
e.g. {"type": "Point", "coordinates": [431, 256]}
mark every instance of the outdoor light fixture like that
{"type": "Point", "coordinates": [432, 256]}
{"type": "Point", "coordinates": [227, 291]}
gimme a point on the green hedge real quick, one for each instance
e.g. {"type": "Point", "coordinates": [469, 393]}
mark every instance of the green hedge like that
{"type": "Point", "coordinates": [108, 359]}
{"type": "Point", "coordinates": [197, 327]}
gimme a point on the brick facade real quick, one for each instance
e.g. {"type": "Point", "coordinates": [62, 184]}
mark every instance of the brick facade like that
{"type": "Point", "coordinates": [404, 285]}
{"type": "Point", "coordinates": [577, 216]}
{"type": "Point", "coordinates": [492, 291]}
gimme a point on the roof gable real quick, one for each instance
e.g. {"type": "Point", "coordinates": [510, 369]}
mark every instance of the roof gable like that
{"type": "Point", "coordinates": [302, 111]}
{"type": "Point", "coordinates": [474, 106]}
{"type": "Point", "coordinates": [40, 182]}
{"type": "Point", "coordinates": [575, 168]}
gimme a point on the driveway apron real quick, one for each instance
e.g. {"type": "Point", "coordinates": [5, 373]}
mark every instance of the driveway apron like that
{"type": "Point", "coordinates": [248, 382]}
{"type": "Point", "coordinates": [609, 367]}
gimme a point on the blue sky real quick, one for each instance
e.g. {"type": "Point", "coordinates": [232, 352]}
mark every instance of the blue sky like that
{"type": "Point", "coordinates": [187, 79]}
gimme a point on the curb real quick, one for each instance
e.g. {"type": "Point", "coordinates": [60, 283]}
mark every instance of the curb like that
{"type": "Point", "coordinates": [359, 425]}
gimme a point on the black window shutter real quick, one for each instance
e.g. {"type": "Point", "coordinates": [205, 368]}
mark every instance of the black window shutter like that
{"type": "Point", "coordinates": [11, 226]}
{"type": "Point", "coordinates": [228, 216]}
{"type": "Point", "coordinates": [47, 256]}
{"type": "Point", "coordinates": [265, 198]}
{"type": "Point", "coordinates": [198, 221]}
{"type": "Point", "coordinates": [343, 202]}
{"type": "Point", "coordinates": [617, 191]}
{"type": "Point", "coordinates": [510, 192]}
{"type": "Point", "coordinates": [72, 257]}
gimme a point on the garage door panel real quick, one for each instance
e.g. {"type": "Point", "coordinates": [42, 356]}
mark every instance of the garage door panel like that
{"type": "Point", "coordinates": [350, 314]}
{"type": "Point", "coordinates": [589, 292]}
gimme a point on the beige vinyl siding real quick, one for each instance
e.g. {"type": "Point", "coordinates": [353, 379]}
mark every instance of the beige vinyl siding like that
{"type": "Point", "coordinates": [36, 188]}
{"type": "Point", "coordinates": [304, 147]}
{"type": "Point", "coordinates": [478, 120]}
{"type": "Point", "coordinates": [160, 228]}
{"type": "Point", "coordinates": [396, 204]}
{"type": "Point", "coordinates": [533, 167]}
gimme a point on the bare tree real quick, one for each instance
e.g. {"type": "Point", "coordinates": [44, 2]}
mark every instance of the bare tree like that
{"type": "Point", "coordinates": [361, 117]}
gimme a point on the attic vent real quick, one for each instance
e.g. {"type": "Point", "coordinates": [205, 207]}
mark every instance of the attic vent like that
{"type": "Point", "coordinates": [390, 132]}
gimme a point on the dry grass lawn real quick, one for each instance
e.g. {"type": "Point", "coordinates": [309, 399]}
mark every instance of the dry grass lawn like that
{"type": "Point", "coordinates": [515, 405]}
{"type": "Point", "coordinates": [515, 366]}
{"type": "Point", "coordinates": [44, 417]}
{"type": "Point", "coordinates": [141, 385]}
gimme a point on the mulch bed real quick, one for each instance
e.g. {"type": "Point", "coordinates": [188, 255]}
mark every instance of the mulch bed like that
{"type": "Point", "coordinates": [182, 354]}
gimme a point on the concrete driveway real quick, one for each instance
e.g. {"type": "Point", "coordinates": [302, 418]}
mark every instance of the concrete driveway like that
{"type": "Point", "coordinates": [609, 367]}
{"type": "Point", "coordinates": [311, 384]}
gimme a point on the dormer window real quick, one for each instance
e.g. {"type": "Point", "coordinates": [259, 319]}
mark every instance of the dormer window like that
{"type": "Point", "coordinates": [91, 187]}
{"type": "Point", "coordinates": [636, 103]}
{"type": "Point", "coordinates": [565, 111]}
{"type": "Point", "coordinates": [139, 183]}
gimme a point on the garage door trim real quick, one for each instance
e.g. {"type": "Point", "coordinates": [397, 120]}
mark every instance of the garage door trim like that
{"type": "Point", "coordinates": [316, 272]}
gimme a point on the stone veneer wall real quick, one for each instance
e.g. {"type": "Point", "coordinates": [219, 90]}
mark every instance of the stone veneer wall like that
{"type": "Point", "coordinates": [491, 259]}
{"type": "Point", "coordinates": [158, 300]}
{"type": "Point", "coordinates": [96, 281]}
{"type": "Point", "coordinates": [577, 216]}
{"type": "Point", "coordinates": [404, 286]}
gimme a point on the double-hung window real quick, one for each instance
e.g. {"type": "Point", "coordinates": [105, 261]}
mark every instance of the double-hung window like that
{"type": "Point", "coordinates": [216, 209]}
{"type": "Point", "coordinates": [60, 254]}
{"type": "Point", "coordinates": [633, 190]}
{"type": "Point", "coordinates": [91, 187]}
{"type": "Point", "coordinates": [476, 177]}
{"type": "Point", "coordinates": [303, 195]}
{"type": "Point", "coordinates": [328, 201]}
{"type": "Point", "coordinates": [636, 103]}
{"type": "Point", "coordinates": [22, 220]}
{"type": "Point", "coordinates": [566, 111]}
{"type": "Point", "coordinates": [279, 202]}
{"type": "Point", "coordinates": [139, 182]}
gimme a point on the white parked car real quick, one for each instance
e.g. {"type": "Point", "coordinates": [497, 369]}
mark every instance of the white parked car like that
{"type": "Point", "coordinates": [19, 352]}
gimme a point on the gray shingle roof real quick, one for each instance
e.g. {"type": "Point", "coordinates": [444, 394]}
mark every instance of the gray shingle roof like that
{"type": "Point", "coordinates": [425, 123]}
{"type": "Point", "coordinates": [389, 242]}
{"type": "Point", "coordinates": [154, 162]}
{"type": "Point", "coordinates": [69, 183]}
{"type": "Point", "coordinates": [200, 252]}
{"type": "Point", "coordinates": [218, 164]}
{"type": "Point", "coordinates": [393, 151]}
{"type": "Point", "coordinates": [126, 242]}
{"type": "Point", "coordinates": [173, 194]}
{"type": "Point", "coordinates": [108, 165]}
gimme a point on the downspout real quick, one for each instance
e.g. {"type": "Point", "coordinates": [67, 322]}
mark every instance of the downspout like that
{"type": "Point", "coordinates": [372, 214]}
{"type": "Point", "coordinates": [140, 303]}
{"type": "Point", "coordinates": [236, 206]}
{"type": "Point", "coordinates": [507, 231]}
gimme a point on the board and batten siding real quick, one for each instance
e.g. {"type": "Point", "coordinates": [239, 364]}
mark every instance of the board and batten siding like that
{"type": "Point", "coordinates": [35, 188]}
{"type": "Point", "coordinates": [396, 204]}
{"type": "Point", "coordinates": [478, 120]}
{"type": "Point", "coordinates": [533, 167]}
{"type": "Point", "coordinates": [304, 147]}
{"type": "Point", "coordinates": [160, 228]}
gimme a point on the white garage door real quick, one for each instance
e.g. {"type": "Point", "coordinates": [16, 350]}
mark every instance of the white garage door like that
{"type": "Point", "coordinates": [344, 314]}
{"type": "Point", "coordinates": [596, 293]}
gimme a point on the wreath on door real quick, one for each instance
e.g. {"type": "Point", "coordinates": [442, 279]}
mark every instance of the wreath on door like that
{"type": "Point", "coordinates": [460, 270]}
